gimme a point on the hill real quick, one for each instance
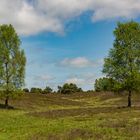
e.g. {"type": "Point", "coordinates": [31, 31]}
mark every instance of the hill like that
{"type": "Point", "coordinates": [95, 116]}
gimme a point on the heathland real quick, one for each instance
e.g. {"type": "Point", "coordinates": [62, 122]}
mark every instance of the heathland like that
{"type": "Point", "coordinates": [85, 116]}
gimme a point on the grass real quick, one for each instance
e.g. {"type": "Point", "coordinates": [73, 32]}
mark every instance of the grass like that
{"type": "Point", "coordinates": [97, 116]}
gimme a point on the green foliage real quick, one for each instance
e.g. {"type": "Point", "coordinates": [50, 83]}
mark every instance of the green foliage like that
{"type": "Point", "coordinates": [26, 90]}
{"type": "Point", "coordinates": [69, 88]}
{"type": "Point", "coordinates": [123, 62]}
{"type": "Point", "coordinates": [47, 90]}
{"type": "Point", "coordinates": [107, 84]}
{"type": "Point", "coordinates": [104, 84]}
{"type": "Point", "coordinates": [89, 91]}
{"type": "Point", "coordinates": [39, 90]}
{"type": "Point", "coordinates": [36, 90]}
{"type": "Point", "coordinates": [12, 61]}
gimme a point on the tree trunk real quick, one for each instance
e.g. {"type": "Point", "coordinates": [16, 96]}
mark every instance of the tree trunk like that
{"type": "Point", "coordinates": [7, 85]}
{"type": "Point", "coordinates": [129, 99]}
{"type": "Point", "coordinates": [6, 102]}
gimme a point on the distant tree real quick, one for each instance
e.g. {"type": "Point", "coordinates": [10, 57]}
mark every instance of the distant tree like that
{"type": "Point", "coordinates": [36, 90]}
{"type": "Point", "coordinates": [54, 92]}
{"type": "Point", "coordinates": [26, 90]}
{"type": "Point", "coordinates": [69, 88]}
{"type": "Point", "coordinates": [89, 91]}
{"type": "Point", "coordinates": [12, 63]}
{"type": "Point", "coordinates": [47, 90]}
{"type": "Point", "coordinates": [104, 84]}
{"type": "Point", "coordinates": [123, 62]}
{"type": "Point", "coordinates": [59, 89]}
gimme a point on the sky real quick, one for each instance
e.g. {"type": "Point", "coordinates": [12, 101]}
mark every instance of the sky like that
{"type": "Point", "coordinates": [66, 41]}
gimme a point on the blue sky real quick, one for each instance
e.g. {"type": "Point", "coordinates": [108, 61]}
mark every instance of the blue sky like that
{"type": "Point", "coordinates": [49, 55]}
{"type": "Point", "coordinates": [66, 41]}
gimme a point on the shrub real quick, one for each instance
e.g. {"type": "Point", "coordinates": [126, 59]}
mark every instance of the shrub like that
{"type": "Point", "coordinates": [26, 90]}
{"type": "Point", "coordinates": [47, 90]}
{"type": "Point", "coordinates": [69, 88]}
{"type": "Point", "coordinates": [36, 90]}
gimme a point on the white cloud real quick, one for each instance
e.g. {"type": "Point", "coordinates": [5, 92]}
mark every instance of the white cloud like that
{"type": "Point", "coordinates": [84, 80]}
{"type": "Point", "coordinates": [44, 78]}
{"type": "Point", "coordinates": [34, 16]}
{"type": "Point", "coordinates": [79, 62]}
{"type": "Point", "coordinates": [75, 80]}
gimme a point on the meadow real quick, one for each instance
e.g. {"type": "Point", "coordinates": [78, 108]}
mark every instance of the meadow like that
{"type": "Point", "coordinates": [85, 116]}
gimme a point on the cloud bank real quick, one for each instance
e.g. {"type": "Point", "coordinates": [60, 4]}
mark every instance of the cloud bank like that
{"type": "Point", "coordinates": [31, 17]}
{"type": "Point", "coordinates": [84, 79]}
{"type": "Point", "coordinates": [80, 62]}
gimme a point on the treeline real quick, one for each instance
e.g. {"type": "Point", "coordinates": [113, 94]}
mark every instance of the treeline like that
{"type": "Point", "coordinates": [67, 88]}
{"type": "Point", "coordinates": [107, 84]}
{"type": "Point", "coordinates": [38, 90]}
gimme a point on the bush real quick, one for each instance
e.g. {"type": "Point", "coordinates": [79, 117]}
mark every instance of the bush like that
{"type": "Point", "coordinates": [69, 88]}
{"type": "Point", "coordinates": [104, 84]}
{"type": "Point", "coordinates": [26, 90]}
{"type": "Point", "coordinates": [47, 90]}
{"type": "Point", "coordinates": [36, 90]}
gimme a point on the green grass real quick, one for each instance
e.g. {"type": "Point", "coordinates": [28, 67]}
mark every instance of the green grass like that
{"type": "Point", "coordinates": [97, 116]}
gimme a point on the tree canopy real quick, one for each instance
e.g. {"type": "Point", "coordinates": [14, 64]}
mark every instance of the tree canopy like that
{"type": "Point", "coordinates": [69, 88]}
{"type": "Point", "coordinates": [36, 90]}
{"type": "Point", "coordinates": [47, 90]}
{"type": "Point", "coordinates": [123, 62]}
{"type": "Point", "coordinates": [104, 84]}
{"type": "Point", "coordinates": [12, 62]}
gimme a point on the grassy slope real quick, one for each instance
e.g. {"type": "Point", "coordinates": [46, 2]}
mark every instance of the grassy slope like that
{"type": "Point", "coordinates": [70, 117]}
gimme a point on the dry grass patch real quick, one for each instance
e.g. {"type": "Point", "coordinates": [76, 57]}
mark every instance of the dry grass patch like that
{"type": "Point", "coordinates": [54, 114]}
